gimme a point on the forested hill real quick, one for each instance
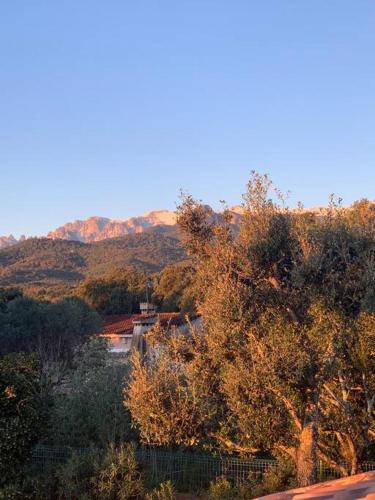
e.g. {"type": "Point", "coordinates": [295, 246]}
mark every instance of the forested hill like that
{"type": "Point", "coordinates": [58, 265]}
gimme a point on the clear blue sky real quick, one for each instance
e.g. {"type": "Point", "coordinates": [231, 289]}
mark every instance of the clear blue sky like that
{"type": "Point", "coordinates": [110, 107]}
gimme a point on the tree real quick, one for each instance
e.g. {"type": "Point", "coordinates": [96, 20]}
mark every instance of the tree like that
{"type": "Point", "coordinates": [90, 412]}
{"type": "Point", "coordinates": [118, 292]}
{"type": "Point", "coordinates": [174, 288]}
{"type": "Point", "coordinates": [282, 303]}
{"type": "Point", "coordinates": [347, 429]}
{"type": "Point", "coordinates": [54, 331]}
{"type": "Point", "coordinates": [20, 413]}
{"type": "Point", "coordinates": [161, 400]}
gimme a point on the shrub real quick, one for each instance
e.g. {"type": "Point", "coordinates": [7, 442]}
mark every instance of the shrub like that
{"type": "Point", "coordinates": [119, 477]}
{"type": "Point", "coordinates": [221, 489]}
{"type": "Point", "coordinates": [165, 491]}
{"type": "Point", "coordinates": [91, 413]}
{"type": "Point", "coordinates": [30, 487]}
{"type": "Point", "coordinates": [20, 413]}
{"type": "Point", "coordinates": [280, 478]}
{"type": "Point", "coordinates": [75, 478]}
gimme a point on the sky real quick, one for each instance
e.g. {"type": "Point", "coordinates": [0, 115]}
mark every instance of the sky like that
{"type": "Point", "coordinates": [110, 107]}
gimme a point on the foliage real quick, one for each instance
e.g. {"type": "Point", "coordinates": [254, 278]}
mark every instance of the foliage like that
{"type": "Point", "coordinates": [162, 403]}
{"type": "Point", "coordinates": [30, 486]}
{"type": "Point", "coordinates": [90, 411]}
{"type": "Point", "coordinates": [221, 489]}
{"type": "Point", "coordinates": [286, 354]}
{"type": "Point", "coordinates": [20, 412]}
{"type": "Point", "coordinates": [75, 478]}
{"type": "Point", "coordinates": [117, 293]}
{"type": "Point", "coordinates": [275, 479]}
{"type": "Point", "coordinates": [119, 477]}
{"type": "Point", "coordinates": [165, 491]}
{"type": "Point", "coordinates": [51, 330]}
{"type": "Point", "coordinates": [173, 288]}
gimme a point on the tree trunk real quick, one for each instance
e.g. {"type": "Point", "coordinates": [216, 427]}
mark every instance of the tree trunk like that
{"type": "Point", "coordinates": [355, 468]}
{"type": "Point", "coordinates": [307, 454]}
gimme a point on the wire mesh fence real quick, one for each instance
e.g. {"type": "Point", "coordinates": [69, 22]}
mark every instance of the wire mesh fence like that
{"type": "Point", "coordinates": [187, 470]}
{"type": "Point", "coordinates": [46, 457]}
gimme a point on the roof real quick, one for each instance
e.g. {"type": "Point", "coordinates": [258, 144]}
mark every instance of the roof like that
{"type": "Point", "coordinates": [358, 486]}
{"type": "Point", "coordinates": [123, 323]}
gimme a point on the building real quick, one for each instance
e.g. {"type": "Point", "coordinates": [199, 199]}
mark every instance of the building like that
{"type": "Point", "coordinates": [126, 331]}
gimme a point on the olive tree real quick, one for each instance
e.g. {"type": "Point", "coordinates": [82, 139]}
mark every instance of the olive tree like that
{"type": "Point", "coordinates": [284, 302]}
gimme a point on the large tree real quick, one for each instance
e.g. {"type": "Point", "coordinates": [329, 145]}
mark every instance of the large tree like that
{"type": "Point", "coordinates": [118, 292]}
{"type": "Point", "coordinates": [173, 288]}
{"type": "Point", "coordinates": [284, 302]}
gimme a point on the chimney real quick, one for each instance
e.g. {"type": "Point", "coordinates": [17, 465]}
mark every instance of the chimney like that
{"type": "Point", "coordinates": [147, 308]}
{"type": "Point", "coordinates": [142, 324]}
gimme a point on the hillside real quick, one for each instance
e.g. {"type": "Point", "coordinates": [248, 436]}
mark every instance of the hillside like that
{"type": "Point", "coordinates": [58, 265]}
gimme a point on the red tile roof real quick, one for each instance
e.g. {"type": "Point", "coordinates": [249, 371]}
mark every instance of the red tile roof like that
{"type": "Point", "coordinates": [123, 323]}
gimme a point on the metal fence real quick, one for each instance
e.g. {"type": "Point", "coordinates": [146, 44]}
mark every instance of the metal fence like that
{"type": "Point", "coordinates": [190, 470]}
{"type": "Point", "coordinates": [187, 470]}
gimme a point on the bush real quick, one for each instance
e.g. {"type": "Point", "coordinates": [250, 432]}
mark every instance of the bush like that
{"type": "Point", "coordinates": [221, 489]}
{"type": "Point", "coordinates": [91, 413]}
{"type": "Point", "coordinates": [119, 477]}
{"type": "Point", "coordinates": [75, 478]}
{"type": "Point", "coordinates": [30, 487]}
{"type": "Point", "coordinates": [20, 413]}
{"type": "Point", "coordinates": [280, 478]}
{"type": "Point", "coordinates": [165, 491]}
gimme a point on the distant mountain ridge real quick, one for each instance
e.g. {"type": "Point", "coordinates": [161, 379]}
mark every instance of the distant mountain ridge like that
{"type": "Point", "coordinates": [101, 228]}
{"type": "Point", "coordinates": [7, 241]}
{"type": "Point", "coordinates": [53, 266]}
{"type": "Point", "coordinates": [97, 228]}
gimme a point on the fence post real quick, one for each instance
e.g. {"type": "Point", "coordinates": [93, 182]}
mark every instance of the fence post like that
{"type": "Point", "coordinates": [320, 471]}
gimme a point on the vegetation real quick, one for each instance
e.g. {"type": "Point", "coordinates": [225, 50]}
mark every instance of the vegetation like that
{"type": "Point", "coordinates": [20, 413]}
{"type": "Point", "coordinates": [165, 491]}
{"type": "Point", "coordinates": [118, 292]}
{"type": "Point", "coordinates": [47, 268]}
{"type": "Point", "coordinates": [52, 331]}
{"type": "Point", "coordinates": [119, 477]}
{"type": "Point", "coordinates": [174, 288]}
{"type": "Point", "coordinates": [89, 412]}
{"type": "Point", "coordinates": [285, 363]}
{"type": "Point", "coordinates": [121, 291]}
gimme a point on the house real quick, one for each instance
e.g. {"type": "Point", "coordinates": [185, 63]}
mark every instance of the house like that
{"type": "Point", "coordinates": [126, 331]}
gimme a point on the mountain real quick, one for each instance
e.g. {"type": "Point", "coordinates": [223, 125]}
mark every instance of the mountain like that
{"type": "Point", "coordinates": [55, 264]}
{"type": "Point", "coordinates": [54, 267]}
{"type": "Point", "coordinates": [96, 228]}
{"type": "Point", "coordinates": [7, 241]}
{"type": "Point", "coordinates": [101, 228]}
